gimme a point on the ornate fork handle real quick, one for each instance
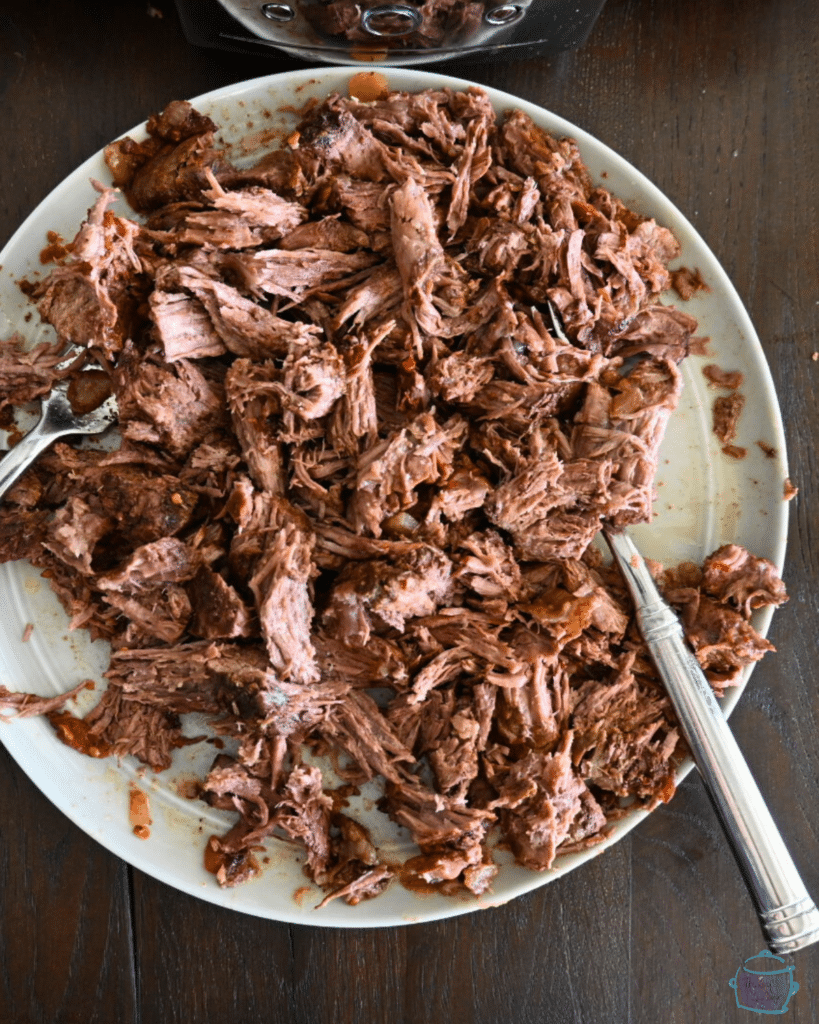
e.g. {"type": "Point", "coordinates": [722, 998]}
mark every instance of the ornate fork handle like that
{"type": "Point", "coordinates": [786, 912]}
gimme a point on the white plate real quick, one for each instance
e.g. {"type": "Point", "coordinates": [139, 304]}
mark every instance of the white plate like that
{"type": "Point", "coordinates": [705, 499]}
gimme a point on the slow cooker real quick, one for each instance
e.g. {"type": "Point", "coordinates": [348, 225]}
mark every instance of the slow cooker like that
{"type": "Point", "coordinates": [359, 32]}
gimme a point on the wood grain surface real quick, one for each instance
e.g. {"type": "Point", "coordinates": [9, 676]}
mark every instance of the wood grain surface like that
{"type": "Point", "coordinates": [718, 104]}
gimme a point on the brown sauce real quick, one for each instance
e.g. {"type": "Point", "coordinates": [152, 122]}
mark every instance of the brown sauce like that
{"type": "Point", "coordinates": [686, 574]}
{"type": "Point", "coordinates": [341, 798]}
{"type": "Point", "coordinates": [189, 789]}
{"type": "Point", "coordinates": [409, 875]}
{"type": "Point", "coordinates": [76, 733]}
{"type": "Point", "coordinates": [139, 813]}
{"type": "Point", "coordinates": [56, 250]}
{"type": "Point", "coordinates": [214, 858]}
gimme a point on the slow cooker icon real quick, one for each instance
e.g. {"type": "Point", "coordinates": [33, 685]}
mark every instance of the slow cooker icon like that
{"type": "Point", "coordinates": [764, 987]}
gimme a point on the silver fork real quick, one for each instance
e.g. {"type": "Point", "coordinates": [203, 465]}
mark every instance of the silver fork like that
{"type": "Point", "coordinates": [57, 419]}
{"type": "Point", "coordinates": [789, 918]}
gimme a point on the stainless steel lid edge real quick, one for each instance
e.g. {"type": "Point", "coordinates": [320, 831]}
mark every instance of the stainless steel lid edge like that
{"type": "Point", "coordinates": [376, 32]}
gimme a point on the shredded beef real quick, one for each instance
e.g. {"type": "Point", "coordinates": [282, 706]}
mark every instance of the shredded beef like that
{"type": "Point", "coordinates": [378, 394]}
{"type": "Point", "coordinates": [687, 282]}
{"type": "Point", "coordinates": [170, 165]}
{"type": "Point", "coordinates": [719, 378]}
{"type": "Point", "coordinates": [726, 413]}
{"type": "Point", "coordinates": [26, 705]}
{"type": "Point", "coordinates": [91, 298]}
{"type": "Point", "coordinates": [24, 375]}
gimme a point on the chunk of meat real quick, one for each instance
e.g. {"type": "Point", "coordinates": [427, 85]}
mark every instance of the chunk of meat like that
{"type": "Point", "coordinates": [170, 165]}
{"type": "Point", "coordinates": [726, 412]}
{"type": "Point", "coordinates": [91, 299]}
{"type": "Point", "coordinates": [373, 594]}
{"type": "Point", "coordinates": [419, 254]}
{"type": "Point", "coordinates": [389, 472]}
{"type": "Point", "coordinates": [184, 327]}
{"type": "Point", "coordinates": [719, 378]}
{"type": "Point", "coordinates": [173, 405]}
{"type": "Point", "coordinates": [276, 545]}
{"type": "Point", "coordinates": [217, 610]}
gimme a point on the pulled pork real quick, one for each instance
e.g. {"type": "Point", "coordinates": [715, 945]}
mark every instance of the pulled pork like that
{"type": "Point", "coordinates": [360, 471]}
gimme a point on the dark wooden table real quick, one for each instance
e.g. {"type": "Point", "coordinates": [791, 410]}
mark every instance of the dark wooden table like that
{"type": "Point", "coordinates": [718, 104]}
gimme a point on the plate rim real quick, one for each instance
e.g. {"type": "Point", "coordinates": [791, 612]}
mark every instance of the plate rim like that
{"type": "Point", "coordinates": [22, 744]}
